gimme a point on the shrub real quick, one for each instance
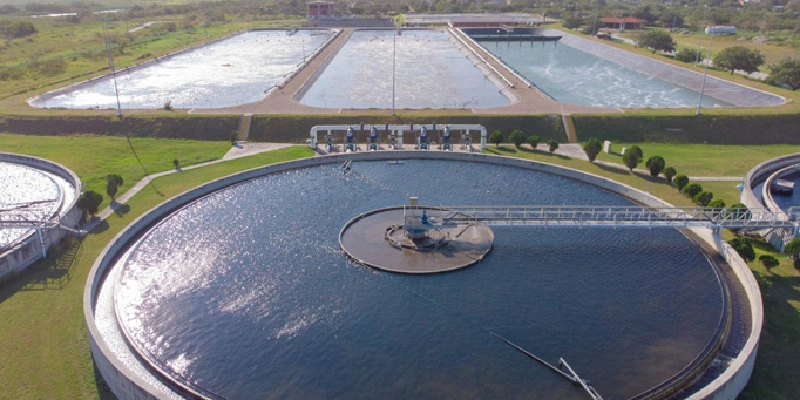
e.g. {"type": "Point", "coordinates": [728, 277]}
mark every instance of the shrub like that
{"type": "Point", "coordinates": [688, 55]}
{"type": "Point", "coordinates": [168, 105]}
{"type": "Point", "coordinates": [717, 203]}
{"type": "Point", "coordinates": [553, 145]}
{"type": "Point", "coordinates": [768, 261]}
{"type": "Point", "coordinates": [681, 181]}
{"type": "Point", "coordinates": [669, 173]}
{"type": "Point", "coordinates": [692, 190]}
{"type": "Point", "coordinates": [744, 247]}
{"type": "Point", "coordinates": [517, 137]}
{"type": "Point", "coordinates": [533, 140]}
{"type": "Point", "coordinates": [655, 164]}
{"type": "Point", "coordinates": [496, 137]}
{"type": "Point", "coordinates": [592, 148]}
{"type": "Point", "coordinates": [703, 198]}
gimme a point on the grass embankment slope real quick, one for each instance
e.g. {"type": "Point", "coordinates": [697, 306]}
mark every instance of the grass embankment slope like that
{"type": "Point", "coordinates": [44, 342]}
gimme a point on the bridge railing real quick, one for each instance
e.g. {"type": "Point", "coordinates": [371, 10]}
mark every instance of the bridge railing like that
{"type": "Point", "coordinates": [619, 216]}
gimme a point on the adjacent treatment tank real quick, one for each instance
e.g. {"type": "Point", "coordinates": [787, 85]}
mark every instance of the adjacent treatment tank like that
{"type": "Point", "coordinates": [37, 197]}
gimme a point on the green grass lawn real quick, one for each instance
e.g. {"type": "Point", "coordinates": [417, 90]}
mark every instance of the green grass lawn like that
{"type": "Point", "coordinates": [45, 347]}
{"type": "Point", "coordinates": [92, 158]}
{"type": "Point", "coordinates": [705, 159]}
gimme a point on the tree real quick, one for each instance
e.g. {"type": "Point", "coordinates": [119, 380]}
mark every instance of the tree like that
{"type": "Point", "coordinates": [533, 140]}
{"type": "Point", "coordinates": [655, 164]}
{"type": "Point", "coordinates": [571, 21]}
{"type": "Point", "coordinates": [717, 203]}
{"type": "Point", "coordinates": [692, 190]}
{"type": "Point", "coordinates": [635, 150]}
{"type": "Point", "coordinates": [738, 211]}
{"type": "Point", "coordinates": [744, 247]}
{"type": "Point", "coordinates": [630, 159]}
{"type": "Point", "coordinates": [656, 40]}
{"type": "Point", "coordinates": [113, 182]}
{"type": "Point", "coordinates": [793, 249]}
{"type": "Point", "coordinates": [517, 136]}
{"type": "Point", "coordinates": [688, 55]}
{"type": "Point", "coordinates": [553, 145]}
{"type": "Point", "coordinates": [592, 148]}
{"type": "Point", "coordinates": [681, 181]}
{"type": "Point", "coordinates": [669, 173]}
{"type": "Point", "coordinates": [768, 261]}
{"type": "Point", "coordinates": [739, 57]}
{"type": "Point", "coordinates": [703, 198]}
{"type": "Point", "coordinates": [89, 202]}
{"type": "Point", "coordinates": [496, 137]}
{"type": "Point", "coordinates": [787, 72]}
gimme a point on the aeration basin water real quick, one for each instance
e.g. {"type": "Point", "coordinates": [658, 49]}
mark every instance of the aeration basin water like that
{"type": "Point", "coordinates": [422, 68]}
{"type": "Point", "coordinates": [229, 72]}
{"type": "Point", "coordinates": [245, 293]}
{"type": "Point", "coordinates": [574, 76]}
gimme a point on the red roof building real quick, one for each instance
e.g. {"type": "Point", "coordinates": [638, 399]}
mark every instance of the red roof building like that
{"type": "Point", "coordinates": [623, 23]}
{"type": "Point", "coordinates": [320, 9]}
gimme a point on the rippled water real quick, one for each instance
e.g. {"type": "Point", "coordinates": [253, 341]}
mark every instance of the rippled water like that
{"type": "Point", "coordinates": [246, 293]}
{"type": "Point", "coordinates": [573, 76]}
{"type": "Point", "coordinates": [29, 194]}
{"type": "Point", "coordinates": [429, 72]}
{"type": "Point", "coordinates": [226, 73]}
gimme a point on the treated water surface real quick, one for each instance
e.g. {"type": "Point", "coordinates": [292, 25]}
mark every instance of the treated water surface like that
{"type": "Point", "coordinates": [246, 293]}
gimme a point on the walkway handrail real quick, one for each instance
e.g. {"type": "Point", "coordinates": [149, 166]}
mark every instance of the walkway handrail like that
{"type": "Point", "coordinates": [623, 216]}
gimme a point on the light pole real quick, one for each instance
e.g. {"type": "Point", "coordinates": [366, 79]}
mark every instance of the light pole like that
{"type": "Point", "coordinates": [700, 40]}
{"type": "Point", "coordinates": [761, 32]}
{"type": "Point", "coordinates": [394, 50]}
{"type": "Point", "coordinates": [705, 73]}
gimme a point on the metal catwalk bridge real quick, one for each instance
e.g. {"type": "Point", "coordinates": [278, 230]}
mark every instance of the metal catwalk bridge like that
{"type": "Point", "coordinates": [616, 216]}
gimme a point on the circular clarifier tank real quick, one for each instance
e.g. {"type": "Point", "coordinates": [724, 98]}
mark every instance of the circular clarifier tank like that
{"type": "Point", "coordinates": [30, 193]}
{"type": "Point", "coordinates": [246, 293]}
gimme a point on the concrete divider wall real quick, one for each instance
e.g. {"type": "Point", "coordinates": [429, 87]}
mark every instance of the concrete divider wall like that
{"type": "Point", "coordinates": [127, 385]}
{"type": "Point", "coordinates": [29, 249]}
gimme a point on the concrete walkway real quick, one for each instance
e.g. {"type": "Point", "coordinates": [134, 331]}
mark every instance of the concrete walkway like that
{"type": "Point", "coordinates": [237, 151]}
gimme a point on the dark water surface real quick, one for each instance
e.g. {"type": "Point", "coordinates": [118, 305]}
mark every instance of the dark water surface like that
{"type": "Point", "coordinates": [246, 293]}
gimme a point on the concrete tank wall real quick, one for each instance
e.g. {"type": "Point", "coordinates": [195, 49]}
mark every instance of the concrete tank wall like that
{"type": "Point", "coordinates": [127, 385]}
{"type": "Point", "coordinates": [761, 173]}
{"type": "Point", "coordinates": [28, 250]}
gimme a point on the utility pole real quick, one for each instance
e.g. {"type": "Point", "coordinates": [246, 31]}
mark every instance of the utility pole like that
{"type": "Point", "coordinates": [700, 40]}
{"type": "Point", "coordinates": [705, 74]}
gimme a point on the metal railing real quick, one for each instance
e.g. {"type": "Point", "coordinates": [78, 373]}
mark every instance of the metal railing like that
{"type": "Point", "coordinates": [618, 216]}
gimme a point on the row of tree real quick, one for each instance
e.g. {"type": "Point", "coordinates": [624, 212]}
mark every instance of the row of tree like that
{"type": "Point", "coordinates": [786, 73]}
{"type": "Point", "coordinates": [517, 137]}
